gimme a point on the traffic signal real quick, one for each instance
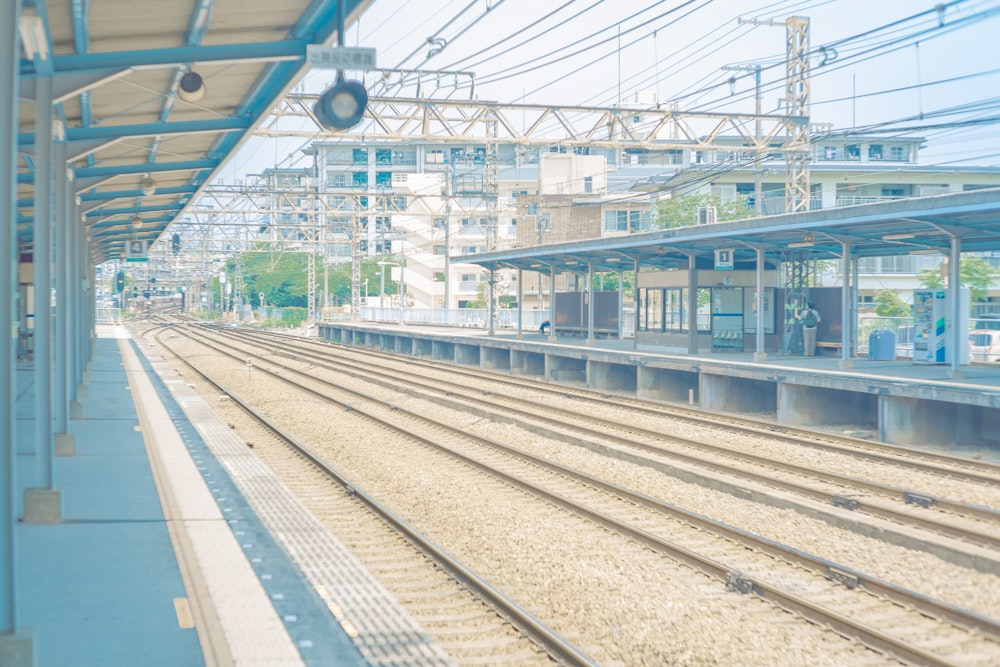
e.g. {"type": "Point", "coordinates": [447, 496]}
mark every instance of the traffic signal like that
{"type": "Point", "coordinates": [175, 243]}
{"type": "Point", "coordinates": [120, 282]}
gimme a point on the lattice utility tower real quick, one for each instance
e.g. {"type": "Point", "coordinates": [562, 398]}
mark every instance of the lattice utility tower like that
{"type": "Point", "coordinates": [796, 148]}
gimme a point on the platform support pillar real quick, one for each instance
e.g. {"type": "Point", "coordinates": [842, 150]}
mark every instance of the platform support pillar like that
{"type": "Point", "coordinates": [42, 261]}
{"type": "Point", "coordinates": [14, 643]}
{"type": "Point", "coordinates": [759, 353]}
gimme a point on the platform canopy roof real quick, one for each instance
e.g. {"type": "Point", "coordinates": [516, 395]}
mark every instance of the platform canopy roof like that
{"type": "Point", "coordinates": [919, 225]}
{"type": "Point", "coordinates": [116, 69]}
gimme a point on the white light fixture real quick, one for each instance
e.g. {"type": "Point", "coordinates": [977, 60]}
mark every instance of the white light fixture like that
{"type": "Point", "coordinates": [148, 186]}
{"type": "Point", "coordinates": [137, 221]}
{"type": "Point", "coordinates": [806, 241]}
{"type": "Point", "coordinates": [898, 237]}
{"type": "Point", "coordinates": [34, 39]}
{"type": "Point", "coordinates": [191, 87]}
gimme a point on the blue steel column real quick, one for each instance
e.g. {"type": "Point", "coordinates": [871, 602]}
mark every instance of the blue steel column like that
{"type": "Point", "coordinates": [845, 307]}
{"type": "Point", "coordinates": [552, 302]}
{"type": "Point", "coordinates": [42, 264]}
{"type": "Point", "coordinates": [590, 304]}
{"type": "Point", "coordinates": [621, 303]}
{"type": "Point", "coordinates": [759, 354]}
{"type": "Point", "coordinates": [81, 333]}
{"type": "Point", "coordinates": [520, 303]}
{"type": "Point", "coordinates": [9, 64]}
{"type": "Point", "coordinates": [72, 293]}
{"type": "Point", "coordinates": [82, 325]}
{"type": "Point", "coordinates": [638, 303]}
{"type": "Point", "coordinates": [959, 339]}
{"type": "Point", "coordinates": [491, 312]}
{"type": "Point", "coordinates": [61, 283]}
{"type": "Point", "coordinates": [692, 304]}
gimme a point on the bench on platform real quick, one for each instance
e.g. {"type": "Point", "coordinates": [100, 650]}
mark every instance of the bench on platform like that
{"type": "Point", "coordinates": [834, 346]}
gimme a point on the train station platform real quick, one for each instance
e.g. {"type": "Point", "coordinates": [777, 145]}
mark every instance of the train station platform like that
{"type": "Point", "coordinates": [173, 543]}
{"type": "Point", "coordinates": [895, 401]}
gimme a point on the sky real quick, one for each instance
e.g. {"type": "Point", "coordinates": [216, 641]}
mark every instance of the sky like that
{"type": "Point", "coordinates": [897, 67]}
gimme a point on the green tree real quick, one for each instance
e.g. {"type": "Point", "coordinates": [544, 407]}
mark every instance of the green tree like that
{"type": "Point", "coordinates": [610, 283]}
{"type": "Point", "coordinates": [976, 274]}
{"type": "Point", "coordinates": [280, 275]}
{"type": "Point", "coordinates": [682, 211]}
{"type": "Point", "coordinates": [889, 304]}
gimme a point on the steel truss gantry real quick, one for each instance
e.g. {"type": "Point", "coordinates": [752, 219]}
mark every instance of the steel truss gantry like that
{"type": "Point", "coordinates": [458, 121]}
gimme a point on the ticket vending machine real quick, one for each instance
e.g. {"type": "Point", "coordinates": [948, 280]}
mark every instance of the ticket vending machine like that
{"type": "Point", "coordinates": [932, 325]}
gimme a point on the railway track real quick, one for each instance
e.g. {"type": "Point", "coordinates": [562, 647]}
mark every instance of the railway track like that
{"type": "Point", "coordinates": [957, 519]}
{"type": "Point", "coordinates": [474, 623]}
{"type": "Point", "coordinates": [885, 617]}
{"type": "Point", "coordinates": [956, 467]}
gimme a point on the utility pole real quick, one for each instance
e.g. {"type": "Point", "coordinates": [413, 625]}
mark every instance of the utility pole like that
{"type": "Point", "coordinates": [758, 203]}
{"type": "Point", "coordinates": [797, 149]}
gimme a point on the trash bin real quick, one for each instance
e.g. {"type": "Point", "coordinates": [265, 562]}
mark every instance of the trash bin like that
{"type": "Point", "coordinates": [882, 345]}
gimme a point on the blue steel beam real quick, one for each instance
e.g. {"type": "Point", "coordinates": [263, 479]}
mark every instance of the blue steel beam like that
{"type": "Point", "coordinates": [132, 210]}
{"type": "Point", "coordinates": [81, 39]}
{"type": "Point", "coordinates": [88, 177]}
{"type": "Point", "coordinates": [70, 84]}
{"type": "Point", "coordinates": [124, 194]}
{"type": "Point", "coordinates": [77, 134]}
{"type": "Point", "coordinates": [317, 25]}
{"type": "Point", "coordinates": [116, 226]}
{"type": "Point", "coordinates": [285, 50]}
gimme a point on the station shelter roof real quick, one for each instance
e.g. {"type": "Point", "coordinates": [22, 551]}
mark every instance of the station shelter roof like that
{"type": "Point", "coordinates": [136, 145]}
{"type": "Point", "coordinates": [919, 225]}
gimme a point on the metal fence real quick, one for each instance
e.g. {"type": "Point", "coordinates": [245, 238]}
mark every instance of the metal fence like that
{"type": "Point", "coordinates": [107, 316]}
{"type": "Point", "coordinates": [474, 318]}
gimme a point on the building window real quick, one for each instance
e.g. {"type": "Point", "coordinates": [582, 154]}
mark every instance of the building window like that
{"type": "Point", "coordinates": [852, 152]}
{"type": "Point", "coordinates": [637, 222]}
{"type": "Point", "coordinates": [440, 250]}
{"type": "Point", "coordinates": [616, 221]}
{"type": "Point", "coordinates": [623, 221]}
{"type": "Point", "coordinates": [336, 180]}
{"type": "Point", "coordinates": [875, 152]}
{"type": "Point", "coordinates": [383, 156]}
{"type": "Point", "coordinates": [588, 184]}
{"type": "Point", "coordinates": [359, 156]}
{"type": "Point", "coordinates": [383, 179]}
{"type": "Point", "coordinates": [829, 153]}
{"type": "Point", "coordinates": [360, 179]}
{"type": "Point", "coordinates": [897, 153]}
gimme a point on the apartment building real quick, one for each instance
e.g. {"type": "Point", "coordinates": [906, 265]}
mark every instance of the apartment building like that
{"type": "Point", "coordinates": [424, 202]}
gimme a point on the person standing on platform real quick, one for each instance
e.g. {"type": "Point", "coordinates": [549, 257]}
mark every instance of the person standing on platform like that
{"type": "Point", "coordinates": [809, 317]}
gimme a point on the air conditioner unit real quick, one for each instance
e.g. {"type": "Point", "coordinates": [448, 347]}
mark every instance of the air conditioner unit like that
{"type": "Point", "coordinates": [706, 215]}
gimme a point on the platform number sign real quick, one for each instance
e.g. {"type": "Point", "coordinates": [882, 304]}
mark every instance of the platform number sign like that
{"type": "Point", "coordinates": [724, 259]}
